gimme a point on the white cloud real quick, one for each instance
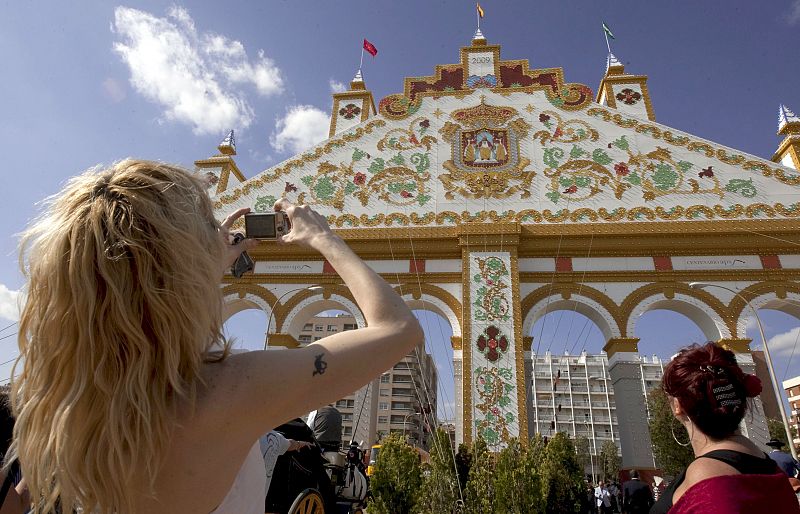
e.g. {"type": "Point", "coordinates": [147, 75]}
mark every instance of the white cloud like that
{"type": "Point", "coordinates": [793, 16]}
{"type": "Point", "coordinates": [302, 127]}
{"type": "Point", "coordinates": [196, 77]}
{"type": "Point", "coordinates": [113, 90]}
{"type": "Point", "coordinates": [336, 86]}
{"type": "Point", "coordinates": [782, 344]}
{"type": "Point", "coordinates": [9, 303]}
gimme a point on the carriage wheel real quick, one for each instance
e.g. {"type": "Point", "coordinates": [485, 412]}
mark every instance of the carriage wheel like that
{"type": "Point", "coordinates": [308, 502]}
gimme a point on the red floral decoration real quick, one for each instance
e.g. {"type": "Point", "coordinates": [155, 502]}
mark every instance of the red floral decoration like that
{"type": "Point", "coordinates": [350, 111]}
{"type": "Point", "coordinates": [406, 194]}
{"type": "Point", "coordinates": [628, 96]}
{"type": "Point", "coordinates": [622, 169]}
{"type": "Point", "coordinates": [492, 343]}
{"type": "Point", "coordinates": [359, 179]}
{"type": "Point", "coordinates": [544, 118]}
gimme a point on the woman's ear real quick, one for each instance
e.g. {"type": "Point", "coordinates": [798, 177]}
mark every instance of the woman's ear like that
{"type": "Point", "coordinates": [675, 407]}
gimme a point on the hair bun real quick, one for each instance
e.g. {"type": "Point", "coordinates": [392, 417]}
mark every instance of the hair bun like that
{"type": "Point", "coordinates": [752, 385]}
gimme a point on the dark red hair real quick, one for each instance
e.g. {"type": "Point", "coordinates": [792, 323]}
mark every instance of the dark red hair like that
{"type": "Point", "coordinates": [710, 386]}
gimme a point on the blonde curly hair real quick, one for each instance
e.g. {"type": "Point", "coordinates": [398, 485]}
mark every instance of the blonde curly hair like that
{"type": "Point", "coordinates": [123, 304]}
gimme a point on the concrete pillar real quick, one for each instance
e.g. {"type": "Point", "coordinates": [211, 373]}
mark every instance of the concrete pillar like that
{"type": "Point", "coordinates": [626, 379]}
{"type": "Point", "coordinates": [754, 425]}
{"type": "Point", "coordinates": [458, 389]}
{"type": "Point", "coordinates": [527, 361]}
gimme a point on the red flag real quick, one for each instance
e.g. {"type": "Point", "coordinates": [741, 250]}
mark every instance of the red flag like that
{"type": "Point", "coordinates": [369, 47]}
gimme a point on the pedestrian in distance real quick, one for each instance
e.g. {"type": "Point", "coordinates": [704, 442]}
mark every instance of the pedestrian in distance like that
{"type": "Point", "coordinates": [636, 495]}
{"type": "Point", "coordinates": [602, 498]}
{"type": "Point", "coordinates": [121, 404]}
{"type": "Point", "coordinates": [708, 394]}
{"type": "Point", "coordinates": [784, 459]}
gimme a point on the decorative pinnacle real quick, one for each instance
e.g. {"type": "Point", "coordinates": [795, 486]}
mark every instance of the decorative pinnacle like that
{"type": "Point", "coordinates": [358, 82]}
{"type": "Point", "coordinates": [613, 62]}
{"type": "Point", "coordinates": [478, 36]}
{"type": "Point", "coordinates": [358, 77]}
{"type": "Point", "coordinates": [785, 117]}
{"type": "Point", "coordinates": [228, 145]}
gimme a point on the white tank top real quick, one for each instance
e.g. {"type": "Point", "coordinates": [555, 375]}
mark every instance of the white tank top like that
{"type": "Point", "coordinates": [249, 488]}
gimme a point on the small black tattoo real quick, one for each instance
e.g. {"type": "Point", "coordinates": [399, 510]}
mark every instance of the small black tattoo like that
{"type": "Point", "coordinates": [320, 365]}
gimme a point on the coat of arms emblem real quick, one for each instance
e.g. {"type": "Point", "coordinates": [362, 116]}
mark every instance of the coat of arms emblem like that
{"type": "Point", "coordinates": [485, 160]}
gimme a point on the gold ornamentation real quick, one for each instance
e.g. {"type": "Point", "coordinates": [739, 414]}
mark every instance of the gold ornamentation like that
{"type": "Point", "coordinates": [570, 131]}
{"type": "Point", "coordinates": [406, 139]}
{"type": "Point", "coordinates": [698, 146]}
{"type": "Point", "coordinates": [485, 156]}
{"type": "Point", "coordinates": [621, 344]}
{"type": "Point", "coordinates": [267, 177]}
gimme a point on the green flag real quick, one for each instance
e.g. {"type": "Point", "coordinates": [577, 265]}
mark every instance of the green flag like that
{"type": "Point", "coordinates": [607, 31]}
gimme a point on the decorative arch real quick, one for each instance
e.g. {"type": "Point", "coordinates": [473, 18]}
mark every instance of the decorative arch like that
{"type": "Point", "coordinates": [435, 299]}
{"type": "Point", "coordinates": [779, 296]}
{"type": "Point", "coordinates": [291, 316]}
{"type": "Point", "coordinates": [239, 297]}
{"type": "Point", "coordinates": [581, 298]}
{"type": "Point", "coordinates": [704, 309]}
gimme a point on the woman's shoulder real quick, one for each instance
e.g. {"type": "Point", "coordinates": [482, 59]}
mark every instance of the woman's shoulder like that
{"type": "Point", "coordinates": [727, 494]}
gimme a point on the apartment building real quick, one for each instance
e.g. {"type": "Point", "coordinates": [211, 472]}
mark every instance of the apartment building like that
{"type": "Point", "coordinates": [792, 388]}
{"type": "Point", "coordinates": [402, 400]}
{"type": "Point", "coordinates": [573, 394]}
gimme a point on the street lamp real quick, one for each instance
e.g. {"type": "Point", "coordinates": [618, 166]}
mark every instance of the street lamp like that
{"type": "Point", "coordinates": [281, 297]}
{"type": "Point", "coordinates": [775, 389]}
{"type": "Point", "coordinates": [405, 418]}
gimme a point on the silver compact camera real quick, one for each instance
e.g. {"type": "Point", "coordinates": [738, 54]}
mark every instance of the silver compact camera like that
{"type": "Point", "coordinates": [266, 226]}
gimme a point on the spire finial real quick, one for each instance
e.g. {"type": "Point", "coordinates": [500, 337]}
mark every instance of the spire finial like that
{"type": "Point", "coordinates": [786, 117]}
{"type": "Point", "coordinates": [357, 82]}
{"type": "Point", "coordinates": [228, 145]}
{"type": "Point", "coordinates": [478, 37]}
{"type": "Point", "coordinates": [613, 65]}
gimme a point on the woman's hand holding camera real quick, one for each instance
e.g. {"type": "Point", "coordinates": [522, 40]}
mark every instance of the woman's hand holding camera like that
{"type": "Point", "coordinates": [232, 251]}
{"type": "Point", "coordinates": [308, 227]}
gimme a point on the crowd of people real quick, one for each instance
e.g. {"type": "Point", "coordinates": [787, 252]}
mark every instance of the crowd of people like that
{"type": "Point", "coordinates": [129, 400]}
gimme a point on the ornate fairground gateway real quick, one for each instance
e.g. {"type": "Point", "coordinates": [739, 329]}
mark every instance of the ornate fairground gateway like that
{"type": "Point", "coordinates": [493, 193]}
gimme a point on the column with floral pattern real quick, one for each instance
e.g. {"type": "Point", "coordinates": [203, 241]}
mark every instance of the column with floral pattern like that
{"type": "Point", "coordinates": [495, 412]}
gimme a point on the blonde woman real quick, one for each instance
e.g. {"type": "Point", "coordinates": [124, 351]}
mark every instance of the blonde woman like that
{"type": "Point", "coordinates": [119, 408]}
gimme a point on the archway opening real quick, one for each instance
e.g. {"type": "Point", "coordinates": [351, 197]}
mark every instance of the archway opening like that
{"type": "Point", "coordinates": [662, 332]}
{"type": "Point", "coordinates": [566, 331]}
{"type": "Point", "coordinates": [246, 329]}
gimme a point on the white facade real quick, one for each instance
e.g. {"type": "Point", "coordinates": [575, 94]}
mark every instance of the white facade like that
{"type": "Point", "coordinates": [573, 394]}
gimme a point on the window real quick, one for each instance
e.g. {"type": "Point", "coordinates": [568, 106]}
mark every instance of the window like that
{"type": "Point", "coordinates": [317, 338]}
{"type": "Point", "coordinates": [305, 339]}
{"type": "Point", "coordinates": [384, 392]}
{"type": "Point", "coordinates": [383, 406]}
{"type": "Point", "coordinates": [318, 328]}
{"type": "Point", "coordinates": [385, 378]}
{"type": "Point", "coordinates": [349, 326]}
{"type": "Point", "coordinates": [383, 419]}
{"type": "Point", "coordinates": [347, 430]}
{"type": "Point", "coordinates": [401, 406]}
{"type": "Point", "coordinates": [332, 328]}
{"type": "Point", "coordinates": [341, 404]}
{"type": "Point", "coordinates": [308, 327]}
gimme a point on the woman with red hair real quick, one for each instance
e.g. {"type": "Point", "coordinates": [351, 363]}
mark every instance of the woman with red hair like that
{"type": "Point", "coordinates": [708, 394]}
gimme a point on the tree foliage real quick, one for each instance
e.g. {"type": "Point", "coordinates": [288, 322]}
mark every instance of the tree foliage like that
{"type": "Point", "coordinates": [440, 488]}
{"type": "Point", "coordinates": [463, 464]}
{"type": "Point", "coordinates": [582, 452]}
{"type": "Point", "coordinates": [670, 456]}
{"type": "Point", "coordinates": [479, 496]}
{"type": "Point", "coordinates": [777, 430]}
{"type": "Point", "coordinates": [561, 476]}
{"type": "Point", "coordinates": [610, 461]}
{"type": "Point", "coordinates": [516, 482]}
{"type": "Point", "coordinates": [397, 478]}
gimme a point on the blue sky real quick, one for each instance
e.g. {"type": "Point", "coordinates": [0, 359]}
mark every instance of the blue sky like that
{"type": "Point", "coordinates": [96, 83]}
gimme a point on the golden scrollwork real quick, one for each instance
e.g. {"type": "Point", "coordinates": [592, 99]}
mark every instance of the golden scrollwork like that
{"type": "Point", "coordinates": [267, 177]}
{"type": "Point", "coordinates": [697, 146]}
{"type": "Point", "coordinates": [570, 131]}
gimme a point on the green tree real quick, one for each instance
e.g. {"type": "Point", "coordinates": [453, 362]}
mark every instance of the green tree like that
{"type": "Point", "coordinates": [562, 478]}
{"type": "Point", "coordinates": [670, 456]}
{"type": "Point", "coordinates": [440, 488]}
{"type": "Point", "coordinates": [397, 479]}
{"type": "Point", "coordinates": [516, 485]}
{"type": "Point", "coordinates": [463, 464]}
{"type": "Point", "coordinates": [777, 430]}
{"type": "Point", "coordinates": [582, 449]}
{"type": "Point", "coordinates": [479, 497]}
{"type": "Point", "coordinates": [610, 461]}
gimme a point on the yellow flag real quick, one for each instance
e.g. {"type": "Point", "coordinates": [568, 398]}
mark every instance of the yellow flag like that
{"type": "Point", "coordinates": [480, 9]}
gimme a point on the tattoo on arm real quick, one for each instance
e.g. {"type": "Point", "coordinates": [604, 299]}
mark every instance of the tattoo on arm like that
{"type": "Point", "coordinates": [319, 365]}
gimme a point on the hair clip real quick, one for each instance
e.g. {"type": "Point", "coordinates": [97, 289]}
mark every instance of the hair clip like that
{"type": "Point", "coordinates": [716, 370]}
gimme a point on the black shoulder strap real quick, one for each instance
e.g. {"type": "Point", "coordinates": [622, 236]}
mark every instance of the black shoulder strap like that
{"type": "Point", "coordinates": [743, 462]}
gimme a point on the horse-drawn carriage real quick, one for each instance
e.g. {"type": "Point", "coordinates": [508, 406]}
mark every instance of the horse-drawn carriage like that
{"type": "Point", "coordinates": [320, 479]}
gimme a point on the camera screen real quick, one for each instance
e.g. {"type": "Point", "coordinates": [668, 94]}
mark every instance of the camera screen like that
{"type": "Point", "coordinates": [260, 226]}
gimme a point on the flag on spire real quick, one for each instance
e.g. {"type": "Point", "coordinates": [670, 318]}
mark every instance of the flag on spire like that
{"type": "Point", "coordinates": [608, 31]}
{"type": "Point", "coordinates": [369, 47]}
{"type": "Point", "coordinates": [480, 9]}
